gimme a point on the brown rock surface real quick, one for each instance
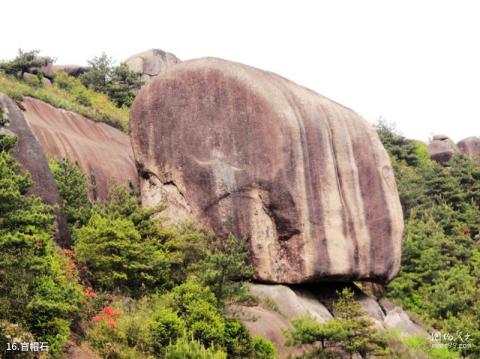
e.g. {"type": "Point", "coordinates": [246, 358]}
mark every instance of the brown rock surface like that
{"type": "Point", "coordinates": [441, 149]}
{"type": "Point", "coordinates": [150, 63]}
{"type": "Point", "coordinates": [30, 155]}
{"type": "Point", "coordinates": [103, 152]}
{"type": "Point", "coordinates": [305, 180]}
{"type": "Point", "coordinates": [470, 146]}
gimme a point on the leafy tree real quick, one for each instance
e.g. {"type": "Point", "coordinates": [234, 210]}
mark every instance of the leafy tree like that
{"type": "Point", "coordinates": [118, 82]}
{"type": "Point", "coordinates": [308, 331]}
{"type": "Point", "coordinates": [197, 306]}
{"type": "Point", "coordinates": [123, 86]}
{"type": "Point", "coordinates": [23, 62]}
{"type": "Point", "coordinates": [225, 269]}
{"type": "Point", "coordinates": [99, 74]}
{"type": "Point", "coordinates": [116, 256]}
{"type": "Point", "coordinates": [73, 188]}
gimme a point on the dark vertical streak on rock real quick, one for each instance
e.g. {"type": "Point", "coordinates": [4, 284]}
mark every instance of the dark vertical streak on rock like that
{"type": "Point", "coordinates": [376, 210]}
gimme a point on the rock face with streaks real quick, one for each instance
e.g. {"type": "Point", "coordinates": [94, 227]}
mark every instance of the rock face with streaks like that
{"type": "Point", "coordinates": [30, 155]}
{"type": "Point", "coordinates": [102, 152]}
{"type": "Point", "coordinates": [470, 146]}
{"type": "Point", "coordinates": [303, 179]}
{"type": "Point", "coordinates": [441, 149]}
{"type": "Point", "coordinates": [150, 63]}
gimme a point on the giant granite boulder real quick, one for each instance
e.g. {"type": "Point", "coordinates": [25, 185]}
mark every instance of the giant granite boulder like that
{"type": "Point", "coordinates": [29, 154]}
{"type": "Point", "coordinates": [150, 63]}
{"type": "Point", "coordinates": [470, 147]}
{"type": "Point", "coordinates": [104, 153]}
{"type": "Point", "coordinates": [303, 179]}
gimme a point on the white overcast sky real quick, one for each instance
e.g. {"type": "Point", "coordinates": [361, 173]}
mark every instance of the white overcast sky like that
{"type": "Point", "coordinates": [415, 63]}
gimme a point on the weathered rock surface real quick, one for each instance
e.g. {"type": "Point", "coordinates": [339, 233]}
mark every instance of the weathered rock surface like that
{"type": "Point", "coordinates": [72, 70]}
{"type": "Point", "coordinates": [150, 63]}
{"type": "Point", "coordinates": [103, 152]}
{"type": "Point", "coordinates": [303, 179]}
{"type": "Point", "coordinates": [46, 69]}
{"type": "Point", "coordinates": [396, 318]}
{"type": "Point", "coordinates": [292, 303]}
{"type": "Point", "coordinates": [279, 304]}
{"type": "Point", "coordinates": [34, 80]}
{"type": "Point", "coordinates": [470, 146]}
{"type": "Point", "coordinates": [30, 155]}
{"type": "Point", "coordinates": [441, 149]}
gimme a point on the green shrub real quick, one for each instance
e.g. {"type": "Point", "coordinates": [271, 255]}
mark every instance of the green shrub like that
{"type": "Point", "coordinates": [167, 327]}
{"type": "Point", "coordinates": [192, 349]}
{"type": "Point", "coordinates": [225, 269]}
{"type": "Point", "coordinates": [73, 189]}
{"type": "Point", "coordinates": [197, 306]}
{"type": "Point", "coordinates": [116, 257]}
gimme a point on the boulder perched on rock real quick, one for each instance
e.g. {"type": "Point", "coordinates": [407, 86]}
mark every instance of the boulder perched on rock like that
{"type": "Point", "coordinates": [470, 147]}
{"type": "Point", "coordinates": [46, 69]}
{"type": "Point", "coordinates": [30, 155]}
{"type": "Point", "coordinates": [102, 152]}
{"type": "Point", "coordinates": [441, 149]}
{"type": "Point", "coordinates": [303, 179]}
{"type": "Point", "coordinates": [72, 70]}
{"type": "Point", "coordinates": [150, 63]}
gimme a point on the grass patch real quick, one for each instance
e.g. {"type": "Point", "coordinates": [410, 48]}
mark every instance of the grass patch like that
{"type": "Point", "coordinates": [68, 93]}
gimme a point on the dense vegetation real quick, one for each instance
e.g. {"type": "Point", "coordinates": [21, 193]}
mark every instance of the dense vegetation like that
{"type": "Point", "coordinates": [109, 105]}
{"type": "Point", "coordinates": [439, 280]}
{"type": "Point", "coordinates": [39, 294]}
{"type": "Point", "coordinates": [153, 290]}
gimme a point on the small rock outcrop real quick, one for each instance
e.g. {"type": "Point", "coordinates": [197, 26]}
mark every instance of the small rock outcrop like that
{"type": "Point", "coordinates": [102, 152]}
{"type": "Point", "coordinates": [303, 179]}
{"type": "Point", "coordinates": [30, 155]}
{"type": "Point", "coordinates": [470, 147]}
{"type": "Point", "coordinates": [150, 63]}
{"type": "Point", "coordinates": [441, 149]}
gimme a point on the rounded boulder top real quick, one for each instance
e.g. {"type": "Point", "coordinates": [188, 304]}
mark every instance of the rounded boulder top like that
{"type": "Point", "coordinates": [305, 181]}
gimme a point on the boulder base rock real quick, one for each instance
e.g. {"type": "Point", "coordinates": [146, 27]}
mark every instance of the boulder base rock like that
{"type": "Point", "coordinates": [102, 152]}
{"type": "Point", "coordinates": [470, 147]}
{"type": "Point", "coordinates": [278, 305]}
{"type": "Point", "coordinates": [303, 179]}
{"type": "Point", "coordinates": [150, 63]}
{"type": "Point", "coordinates": [30, 155]}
